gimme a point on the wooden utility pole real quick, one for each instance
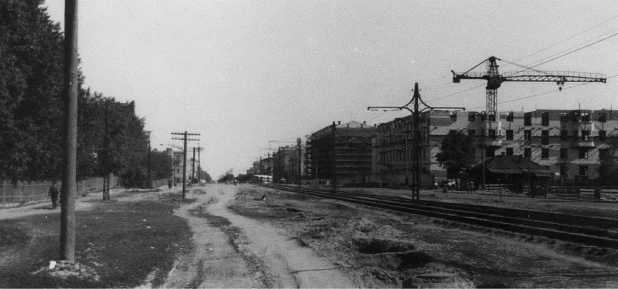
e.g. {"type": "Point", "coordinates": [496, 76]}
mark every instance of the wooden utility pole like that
{"type": "Point", "coordinates": [193, 167]}
{"type": "Point", "coordinates": [199, 165]}
{"type": "Point", "coordinates": [148, 176]}
{"type": "Point", "coordinates": [300, 155]}
{"type": "Point", "coordinates": [184, 167]}
{"type": "Point", "coordinates": [334, 157]}
{"type": "Point", "coordinates": [69, 168]}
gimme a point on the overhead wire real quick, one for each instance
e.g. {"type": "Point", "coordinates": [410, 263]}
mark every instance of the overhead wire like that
{"type": "Point", "coordinates": [550, 58]}
{"type": "Point", "coordinates": [565, 40]}
{"type": "Point", "coordinates": [578, 49]}
{"type": "Point", "coordinates": [531, 66]}
{"type": "Point", "coordinates": [453, 94]}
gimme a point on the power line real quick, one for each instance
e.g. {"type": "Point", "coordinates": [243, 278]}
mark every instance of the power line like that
{"type": "Point", "coordinates": [560, 42]}
{"type": "Point", "coordinates": [578, 49]}
{"type": "Point", "coordinates": [452, 94]}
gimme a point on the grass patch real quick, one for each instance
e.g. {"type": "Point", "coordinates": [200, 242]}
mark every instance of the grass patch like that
{"type": "Point", "coordinates": [122, 242]}
{"type": "Point", "coordinates": [11, 234]}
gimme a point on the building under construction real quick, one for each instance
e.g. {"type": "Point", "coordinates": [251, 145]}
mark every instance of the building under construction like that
{"type": "Point", "coordinates": [340, 153]}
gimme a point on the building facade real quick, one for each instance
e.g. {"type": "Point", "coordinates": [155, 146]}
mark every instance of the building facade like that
{"type": "Point", "coordinates": [288, 164]}
{"type": "Point", "coordinates": [340, 152]}
{"type": "Point", "coordinates": [572, 144]}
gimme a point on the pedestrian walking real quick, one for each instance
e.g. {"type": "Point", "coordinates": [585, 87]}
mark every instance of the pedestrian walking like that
{"type": "Point", "coordinates": [169, 184]}
{"type": "Point", "coordinates": [53, 193]}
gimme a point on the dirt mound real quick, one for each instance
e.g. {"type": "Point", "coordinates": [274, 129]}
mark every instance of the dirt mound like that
{"type": "Point", "coordinates": [363, 225]}
{"type": "Point", "coordinates": [65, 269]}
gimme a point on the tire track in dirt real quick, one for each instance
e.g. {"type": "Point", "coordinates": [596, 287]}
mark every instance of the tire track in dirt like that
{"type": "Point", "coordinates": [287, 263]}
{"type": "Point", "coordinates": [213, 262]}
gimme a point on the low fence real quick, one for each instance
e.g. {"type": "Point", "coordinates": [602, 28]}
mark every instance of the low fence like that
{"type": "Point", "coordinates": [609, 194]}
{"type": "Point", "coordinates": [34, 192]}
{"type": "Point", "coordinates": [145, 184]}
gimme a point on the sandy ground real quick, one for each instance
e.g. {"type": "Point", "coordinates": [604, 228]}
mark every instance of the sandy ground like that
{"type": "Point", "coordinates": [271, 258]}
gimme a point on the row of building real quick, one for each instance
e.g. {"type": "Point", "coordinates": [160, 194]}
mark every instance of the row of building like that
{"type": "Point", "coordinates": [569, 143]}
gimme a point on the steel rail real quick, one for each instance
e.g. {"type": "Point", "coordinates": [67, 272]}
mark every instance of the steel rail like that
{"type": "Point", "coordinates": [595, 232]}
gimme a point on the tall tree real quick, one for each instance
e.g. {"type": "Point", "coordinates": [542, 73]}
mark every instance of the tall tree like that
{"type": "Point", "coordinates": [30, 91]}
{"type": "Point", "coordinates": [456, 152]}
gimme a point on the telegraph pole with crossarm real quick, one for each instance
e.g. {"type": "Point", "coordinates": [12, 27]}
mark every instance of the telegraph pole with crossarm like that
{"type": "Point", "coordinates": [185, 138]}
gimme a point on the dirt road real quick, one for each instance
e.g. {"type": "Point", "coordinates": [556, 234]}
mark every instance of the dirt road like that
{"type": "Point", "coordinates": [259, 255]}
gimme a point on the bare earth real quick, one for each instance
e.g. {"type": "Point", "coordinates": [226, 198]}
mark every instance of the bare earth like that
{"type": "Point", "coordinates": [287, 240]}
{"type": "Point", "coordinates": [271, 258]}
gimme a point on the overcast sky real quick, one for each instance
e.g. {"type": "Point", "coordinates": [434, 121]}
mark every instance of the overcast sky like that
{"type": "Point", "coordinates": [243, 73]}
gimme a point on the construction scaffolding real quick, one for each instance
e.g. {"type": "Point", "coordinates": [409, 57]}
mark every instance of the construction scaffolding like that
{"type": "Point", "coordinates": [340, 154]}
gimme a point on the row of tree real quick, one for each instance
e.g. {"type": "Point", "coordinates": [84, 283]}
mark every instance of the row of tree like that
{"type": "Point", "coordinates": [111, 137]}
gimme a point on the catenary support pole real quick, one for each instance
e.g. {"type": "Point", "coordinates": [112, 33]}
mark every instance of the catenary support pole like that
{"type": "Point", "coordinates": [69, 168]}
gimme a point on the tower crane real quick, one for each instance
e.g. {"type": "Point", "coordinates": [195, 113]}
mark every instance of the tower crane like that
{"type": "Point", "coordinates": [495, 79]}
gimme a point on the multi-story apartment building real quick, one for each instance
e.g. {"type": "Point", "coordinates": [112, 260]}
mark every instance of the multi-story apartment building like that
{"type": "Point", "coordinates": [393, 156]}
{"type": "Point", "coordinates": [342, 151]}
{"type": "Point", "coordinates": [570, 143]}
{"type": "Point", "coordinates": [288, 164]}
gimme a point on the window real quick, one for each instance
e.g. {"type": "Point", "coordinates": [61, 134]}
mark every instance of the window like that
{"type": "Point", "coordinates": [563, 169]}
{"type": "Point", "coordinates": [575, 134]}
{"type": "Point", "coordinates": [583, 153]}
{"type": "Point", "coordinates": [585, 135]}
{"type": "Point", "coordinates": [509, 117]}
{"type": "Point", "coordinates": [528, 119]}
{"type": "Point", "coordinates": [585, 117]}
{"type": "Point", "coordinates": [528, 134]}
{"type": "Point", "coordinates": [471, 116]}
{"type": "Point", "coordinates": [602, 117]}
{"type": "Point", "coordinates": [490, 152]}
{"type": "Point", "coordinates": [453, 116]}
{"type": "Point", "coordinates": [492, 133]}
{"type": "Point", "coordinates": [564, 134]}
{"type": "Point", "coordinates": [527, 153]}
{"type": "Point", "coordinates": [544, 153]}
{"type": "Point", "coordinates": [482, 132]}
{"type": "Point", "coordinates": [492, 117]}
{"type": "Point", "coordinates": [545, 119]}
{"type": "Point", "coordinates": [483, 116]}
{"type": "Point", "coordinates": [563, 117]}
{"type": "Point", "coordinates": [583, 170]}
{"type": "Point", "coordinates": [509, 151]}
{"type": "Point", "coordinates": [545, 137]}
{"type": "Point", "coordinates": [564, 153]}
{"type": "Point", "coordinates": [509, 134]}
{"type": "Point", "coordinates": [471, 132]}
{"type": "Point", "coordinates": [602, 135]}
{"type": "Point", "coordinates": [603, 154]}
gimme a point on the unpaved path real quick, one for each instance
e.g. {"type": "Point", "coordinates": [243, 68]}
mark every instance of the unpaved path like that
{"type": "Point", "coordinates": [81, 203]}
{"type": "Point", "coordinates": [215, 263]}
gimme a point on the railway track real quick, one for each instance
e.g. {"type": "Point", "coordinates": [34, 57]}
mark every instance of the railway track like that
{"type": "Point", "coordinates": [591, 231]}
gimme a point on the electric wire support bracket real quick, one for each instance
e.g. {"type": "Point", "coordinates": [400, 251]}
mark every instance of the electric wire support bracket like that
{"type": "Point", "coordinates": [416, 138]}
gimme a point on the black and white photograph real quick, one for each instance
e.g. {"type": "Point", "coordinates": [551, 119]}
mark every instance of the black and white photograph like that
{"type": "Point", "coordinates": [308, 144]}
